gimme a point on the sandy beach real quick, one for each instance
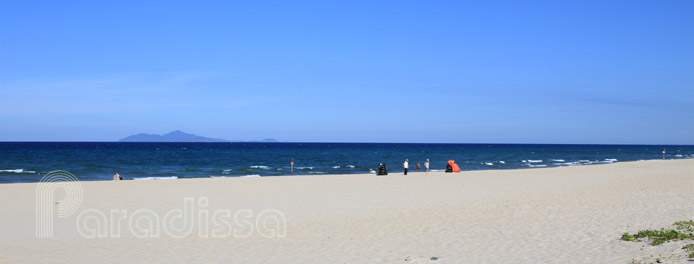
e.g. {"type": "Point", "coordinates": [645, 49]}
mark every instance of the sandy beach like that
{"type": "Point", "coordinates": [549, 215]}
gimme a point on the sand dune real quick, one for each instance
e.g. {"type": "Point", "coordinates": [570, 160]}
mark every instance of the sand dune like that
{"type": "Point", "coordinates": [549, 215]}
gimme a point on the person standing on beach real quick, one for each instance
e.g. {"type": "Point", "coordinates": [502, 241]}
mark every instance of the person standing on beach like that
{"type": "Point", "coordinates": [418, 167]}
{"type": "Point", "coordinates": [116, 177]}
{"type": "Point", "coordinates": [405, 166]}
{"type": "Point", "coordinates": [426, 166]}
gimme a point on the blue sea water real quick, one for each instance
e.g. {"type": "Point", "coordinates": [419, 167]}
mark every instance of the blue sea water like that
{"type": "Point", "coordinates": [29, 161]}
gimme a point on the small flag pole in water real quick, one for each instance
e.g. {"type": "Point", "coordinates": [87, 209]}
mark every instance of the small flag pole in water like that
{"type": "Point", "coordinates": [664, 153]}
{"type": "Point", "coordinates": [292, 165]}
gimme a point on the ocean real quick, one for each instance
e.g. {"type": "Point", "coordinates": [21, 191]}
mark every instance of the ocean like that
{"type": "Point", "coordinates": [29, 161]}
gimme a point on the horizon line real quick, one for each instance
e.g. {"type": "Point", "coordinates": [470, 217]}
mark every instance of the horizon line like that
{"type": "Point", "coordinates": [346, 142]}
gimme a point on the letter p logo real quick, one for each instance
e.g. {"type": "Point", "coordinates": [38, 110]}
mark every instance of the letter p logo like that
{"type": "Point", "coordinates": [45, 202]}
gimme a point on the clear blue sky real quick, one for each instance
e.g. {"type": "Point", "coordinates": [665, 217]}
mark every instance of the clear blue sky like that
{"type": "Point", "coordinates": [350, 71]}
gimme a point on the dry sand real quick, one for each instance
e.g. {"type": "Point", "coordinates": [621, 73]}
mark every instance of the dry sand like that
{"type": "Point", "coordinates": [549, 215]}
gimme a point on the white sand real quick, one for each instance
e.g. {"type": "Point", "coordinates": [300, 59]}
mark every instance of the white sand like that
{"type": "Point", "coordinates": [555, 215]}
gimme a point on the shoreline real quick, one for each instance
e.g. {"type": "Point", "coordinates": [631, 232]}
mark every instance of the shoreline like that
{"type": "Point", "coordinates": [162, 178]}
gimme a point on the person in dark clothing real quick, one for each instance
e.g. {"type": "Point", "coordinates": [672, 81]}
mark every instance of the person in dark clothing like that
{"type": "Point", "coordinates": [382, 170]}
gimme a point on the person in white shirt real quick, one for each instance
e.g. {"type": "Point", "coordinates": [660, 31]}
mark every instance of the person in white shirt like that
{"type": "Point", "coordinates": [426, 166]}
{"type": "Point", "coordinates": [406, 166]}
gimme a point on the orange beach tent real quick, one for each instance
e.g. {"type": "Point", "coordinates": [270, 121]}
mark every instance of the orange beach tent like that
{"type": "Point", "coordinates": [454, 166]}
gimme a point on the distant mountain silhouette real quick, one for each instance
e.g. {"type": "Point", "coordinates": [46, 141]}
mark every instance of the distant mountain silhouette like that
{"type": "Point", "coordinates": [175, 136]}
{"type": "Point", "coordinates": [180, 136]}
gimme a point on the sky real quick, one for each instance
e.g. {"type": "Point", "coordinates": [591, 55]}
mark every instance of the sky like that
{"type": "Point", "coordinates": [580, 72]}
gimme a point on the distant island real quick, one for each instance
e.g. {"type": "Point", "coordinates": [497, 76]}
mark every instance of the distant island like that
{"type": "Point", "coordinates": [179, 136]}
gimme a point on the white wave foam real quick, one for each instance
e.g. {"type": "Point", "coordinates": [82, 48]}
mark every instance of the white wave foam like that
{"type": "Point", "coordinates": [489, 164]}
{"type": "Point", "coordinates": [350, 166]}
{"type": "Point", "coordinates": [437, 170]}
{"type": "Point", "coordinates": [678, 156]}
{"type": "Point", "coordinates": [537, 166]}
{"type": "Point", "coordinates": [336, 167]}
{"type": "Point", "coordinates": [502, 162]}
{"type": "Point", "coordinates": [303, 168]}
{"type": "Point", "coordinates": [558, 160]}
{"type": "Point", "coordinates": [18, 171]}
{"type": "Point", "coordinates": [157, 178]}
{"type": "Point", "coordinates": [15, 171]}
{"type": "Point", "coordinates": [534, 161]}
{"type": "Point", "coordinates": [260, 167]}
{"type": "Point", "coordinates": [227, 170]}
{"type": "Point", "coordinates": [245, 176]}
{"type": "Point", "coordinates": [372, 171]}
{"type": "Point", "coordinates": [316, 172]}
